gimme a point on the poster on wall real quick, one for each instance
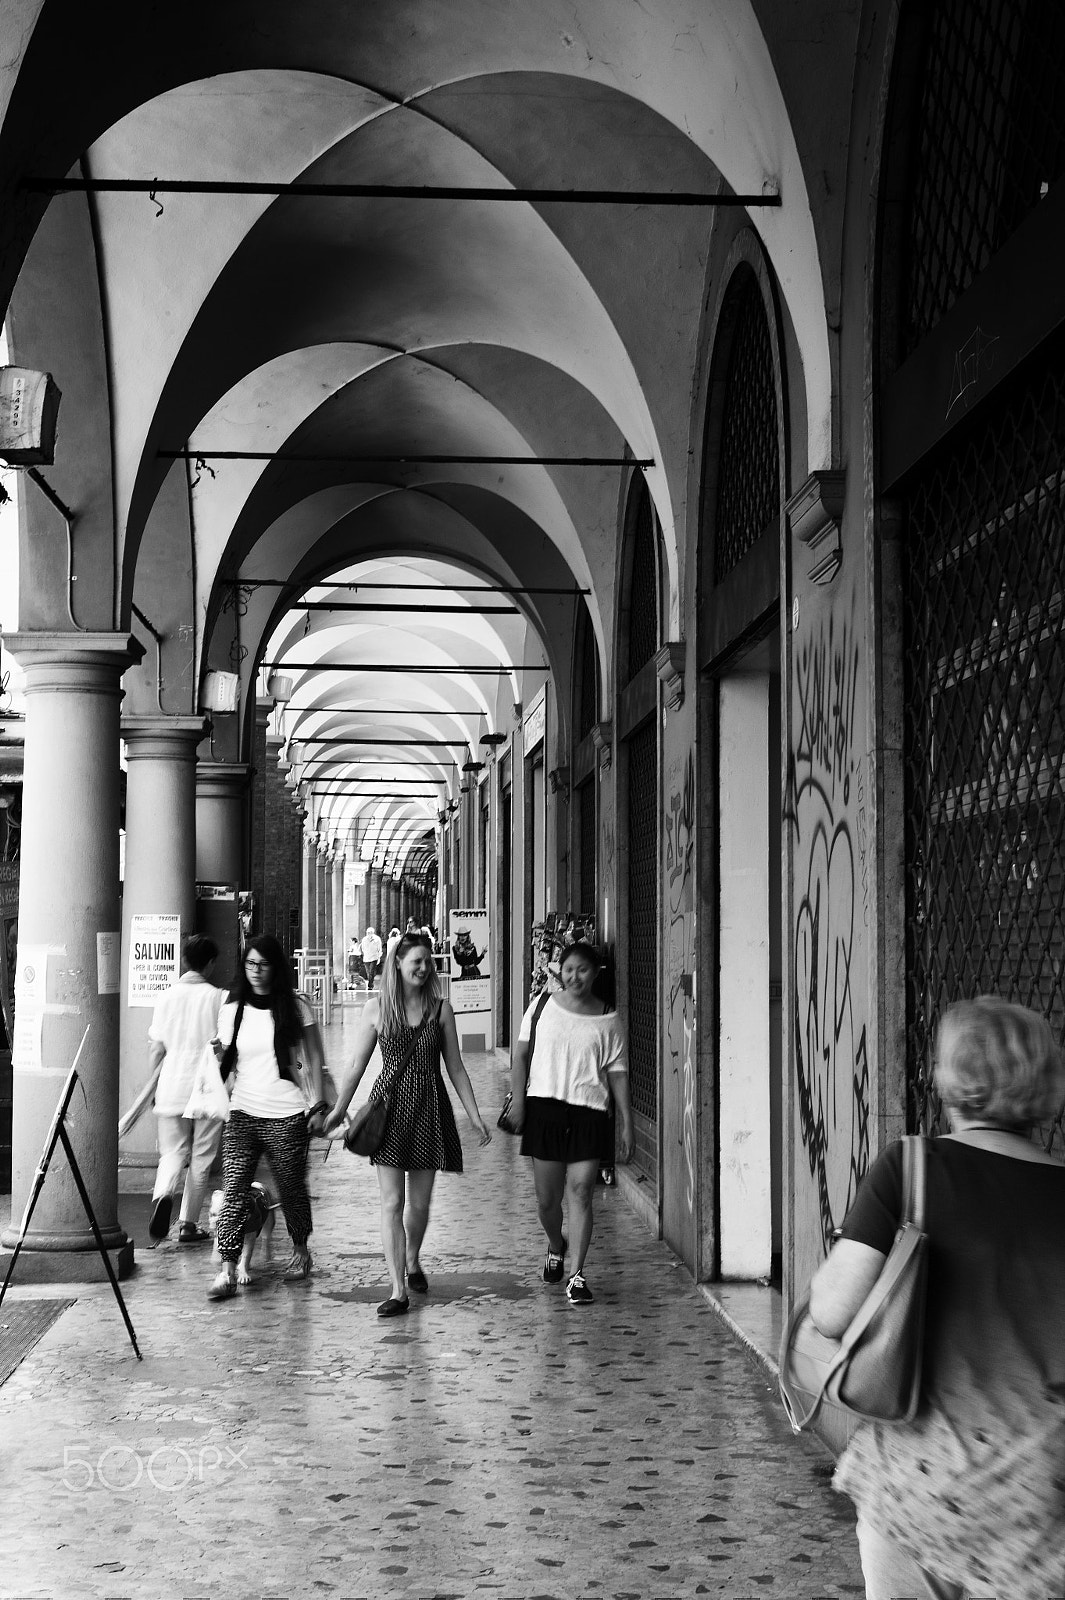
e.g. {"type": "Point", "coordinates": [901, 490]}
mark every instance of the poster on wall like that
{"type": "Point", "coordinates": [471, 973]}
{"type": "Point", "coordinates": [154, 956]}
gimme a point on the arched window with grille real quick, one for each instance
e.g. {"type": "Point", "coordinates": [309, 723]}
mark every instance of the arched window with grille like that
{"type": "Point", "coordinates": [977, 136]}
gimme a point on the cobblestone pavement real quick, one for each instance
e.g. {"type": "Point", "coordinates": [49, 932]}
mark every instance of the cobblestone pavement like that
{"type": "Point", "coordinates": [497, 1441]}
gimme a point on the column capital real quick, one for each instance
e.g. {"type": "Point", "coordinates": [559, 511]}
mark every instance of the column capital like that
{"type": "Point", "coordinates": [163, 738]}
{"type": "Point", "coordinates": [221, 780]}
{"type": "Point", "coordinates": [89, 663]}
{"type": "Point", "coordinates": [264, 705]}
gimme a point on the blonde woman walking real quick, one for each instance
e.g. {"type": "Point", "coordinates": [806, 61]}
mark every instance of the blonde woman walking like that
{"type": "Point", "coordinates": [421, 1138]}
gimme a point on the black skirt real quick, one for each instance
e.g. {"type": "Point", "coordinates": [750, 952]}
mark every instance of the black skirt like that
{"type": "Point", "coordinates": [554, 1130]}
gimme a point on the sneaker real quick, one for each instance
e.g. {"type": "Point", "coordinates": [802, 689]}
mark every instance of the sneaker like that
{"type": "Point", "coordinates": [554, 1266]}
{"type": "Point", "coordinates": [578, 1291]}
{"type": "Point", "coordinates": [159, 1221]}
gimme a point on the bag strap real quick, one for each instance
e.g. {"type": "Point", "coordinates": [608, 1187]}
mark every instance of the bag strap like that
{"type": "Point", "coordinates": [408, 1054]}
{"type": "Point", "coordinates": [540, 1004]}
{"type": "Point", "coordinates": [914, 1180]}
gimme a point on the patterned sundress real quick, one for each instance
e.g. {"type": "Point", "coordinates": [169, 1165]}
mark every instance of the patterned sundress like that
{"type": "Point", "coordinates": [421, 1132]}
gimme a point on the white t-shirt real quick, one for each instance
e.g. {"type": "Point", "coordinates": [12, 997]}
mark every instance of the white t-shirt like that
{"type": "Point", "coordinates": [574, 1055]}
{"type": "Point", "coordinates": [184, 1020]}
{"type": "Point", "coordinates": [259, 1090]}
{"type": "Point", "coordinates": [371, 947]}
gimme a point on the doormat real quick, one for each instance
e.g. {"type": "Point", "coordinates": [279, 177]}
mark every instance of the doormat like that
{"type": "Point", "coordinates": [22, 1323]}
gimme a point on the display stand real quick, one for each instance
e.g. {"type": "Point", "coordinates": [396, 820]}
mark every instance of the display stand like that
{"type": "Point", "coordinates": [57, 1134]}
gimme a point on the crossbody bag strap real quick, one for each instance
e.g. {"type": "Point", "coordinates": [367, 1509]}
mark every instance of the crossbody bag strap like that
{"type": "Point", "coordinates": [544, 998]}
{"type": "Point", "coordinates": [409, 1052]}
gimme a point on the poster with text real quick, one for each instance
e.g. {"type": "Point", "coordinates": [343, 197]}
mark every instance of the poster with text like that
{"type": "Point", "coordinates": [468, 949]}
{"type": "Point", "coordinates": [154, 956]}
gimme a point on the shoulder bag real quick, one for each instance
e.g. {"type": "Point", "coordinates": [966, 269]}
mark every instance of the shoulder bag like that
{"type": "Point", "coordinates": [365, 1133]}
{"type": "Point", "coordinates": [874, 1370]}
{"type": "Point", "coordinates": [503, 1120]}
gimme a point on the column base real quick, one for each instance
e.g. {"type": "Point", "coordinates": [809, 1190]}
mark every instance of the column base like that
{"type": "Point", "coordinates": [136, 1171]}
{"type": "Point", "coordinates": [66, 1266]}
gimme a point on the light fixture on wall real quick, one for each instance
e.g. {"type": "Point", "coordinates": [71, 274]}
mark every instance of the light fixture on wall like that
{"type": "Point", "coordinates": [29, 410]}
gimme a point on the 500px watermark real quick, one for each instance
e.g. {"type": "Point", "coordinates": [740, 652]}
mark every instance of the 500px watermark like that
{"type": "Point", "coordinates": [169, 1467]}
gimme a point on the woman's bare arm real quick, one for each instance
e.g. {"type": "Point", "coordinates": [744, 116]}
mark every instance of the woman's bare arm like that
{"type": "Point", "coordinates": [365, 1045]}
{"type": "Point", "coordinates": [841, 1284]}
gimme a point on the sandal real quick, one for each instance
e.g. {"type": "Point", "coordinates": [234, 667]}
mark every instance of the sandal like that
{"type": "Point", "coordinates": [188, 1234]}
{"type": "Point", "coordinates": [298, 1268]}
{"type": "Point", "coordinates": [223, 1287]}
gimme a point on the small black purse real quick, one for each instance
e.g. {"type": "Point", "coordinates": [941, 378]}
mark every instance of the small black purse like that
{"type": "Point", "coordinates": [365, 1133]}
{"type": "Point", "coordinates": [503, 1120]}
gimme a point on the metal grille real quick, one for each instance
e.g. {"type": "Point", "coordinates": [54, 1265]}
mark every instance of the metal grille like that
{"type": "Point", "coordinates": [748, 485]}
{"type": "Point", "coordinates": [586, 823]}
{"type": "Point", "coordinates": [985, 724]}
{"type": "Point", "coordinates": [587, 680]}
{"type": "Point", "coordinates": [991, 140]}
{"type": "Point", "coordinates": [643, 921]}
{"type": "Point", "coordinates": [643, 583]}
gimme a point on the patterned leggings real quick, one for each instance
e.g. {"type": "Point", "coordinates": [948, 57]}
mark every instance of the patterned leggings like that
{"type": "Point", "coordinates": [284, 1141]}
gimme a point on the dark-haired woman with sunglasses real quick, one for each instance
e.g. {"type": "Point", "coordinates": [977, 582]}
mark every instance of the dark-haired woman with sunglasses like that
{"type": "Point", "coordinates": [265, 1032]}
{"type": "Point", "coordinates": [421, 1138]}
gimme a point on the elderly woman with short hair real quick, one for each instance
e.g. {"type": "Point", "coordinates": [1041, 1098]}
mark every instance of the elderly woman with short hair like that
{"type": "Point", "coordinates": [970, 1496]}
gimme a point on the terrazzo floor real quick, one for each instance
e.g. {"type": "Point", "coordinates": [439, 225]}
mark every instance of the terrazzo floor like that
{"type": "Point", "coordinates": [497, 1441]}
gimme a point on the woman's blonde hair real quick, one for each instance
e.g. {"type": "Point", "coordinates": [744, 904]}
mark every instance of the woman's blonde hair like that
{"type": "Point", "coordinates": [392, 1013]}
{"type": "Point", "coordinates": [998, 1060]}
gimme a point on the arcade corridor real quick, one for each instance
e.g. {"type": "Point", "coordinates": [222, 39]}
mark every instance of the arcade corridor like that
{"type": "Point", "coordinates": [529, 468]}
{"type": "Point", "coordinates": [498, 1442]}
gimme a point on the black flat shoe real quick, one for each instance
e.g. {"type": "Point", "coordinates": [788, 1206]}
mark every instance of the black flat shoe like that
{"type": "Point", "coordinates": [159, 1221]}
{"type": "Point", "coordinates": [393, 1308]}
{"type": "Point", "coordinates": [418, 1281]}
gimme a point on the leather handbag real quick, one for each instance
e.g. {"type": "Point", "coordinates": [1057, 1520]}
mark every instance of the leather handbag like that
{"type": "Point", "coordinates": [503, 1120]}
{"type": "Point", "coordinates": [874, 1370]}
{"type": "Point", "coordinates": [365, 1133]}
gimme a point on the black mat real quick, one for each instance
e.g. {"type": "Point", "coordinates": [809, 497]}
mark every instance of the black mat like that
{"type": "Point", "coordinates": [22, 1323]}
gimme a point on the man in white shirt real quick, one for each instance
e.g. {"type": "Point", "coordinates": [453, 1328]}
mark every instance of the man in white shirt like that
{"type": "Point", "coordinates": [185, 1021]}
{"type": "Point", "coordinates": [371, 955]}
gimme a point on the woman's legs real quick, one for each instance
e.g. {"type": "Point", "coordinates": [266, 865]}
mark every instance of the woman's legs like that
{"type": "Point", "coordinates": [580, 1190]}
{"type": "Point", "coordinates": [891, 1573]}
{"type": "Point", "coordinates": [285, 1141]}
{"type": "Point", "coordinates": [392, 1183]}
{"type": "Point", "coordinates": [416, 1216]}
{"type": "Point", "coordinates": [550, 1180]}
{"type": "Point", "coordinates": [241, 1149]}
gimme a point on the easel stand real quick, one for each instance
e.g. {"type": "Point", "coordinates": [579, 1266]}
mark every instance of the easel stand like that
{"type": "Point", "coordinates": [57, 1134]}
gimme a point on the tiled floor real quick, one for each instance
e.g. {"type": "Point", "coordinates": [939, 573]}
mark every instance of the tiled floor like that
{"type": "Point", "coordinates": [497, 1441]}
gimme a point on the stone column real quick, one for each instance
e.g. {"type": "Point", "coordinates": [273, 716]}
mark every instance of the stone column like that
{"type": "Point", "coordinates": [257, 825]}
{"type": "Point", "coordinates": [220, 852]}
{"type": "Point", "coordinates": [321, 896]}
{"type": "Point", "coordinates": [275, 899]}
{"type": "Point", "coordinates": [221, 857]}
{"type": "Point", "coordinates": [68, 962]}
{"type": "Point", "coordinates": [336, 922]}
{"type": "Point", "coordinates": [160, 878]}
{"type": "Point", "coordinates": [309, 919]}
